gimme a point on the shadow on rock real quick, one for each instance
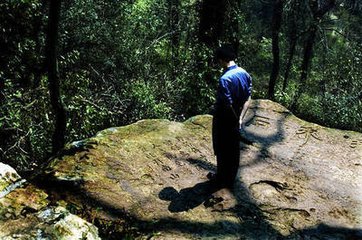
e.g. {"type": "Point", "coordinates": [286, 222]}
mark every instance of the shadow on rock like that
{"type": "Point", "coordinates": [323, 231]}
{"type": "Point", "coordinates": [189, 198]}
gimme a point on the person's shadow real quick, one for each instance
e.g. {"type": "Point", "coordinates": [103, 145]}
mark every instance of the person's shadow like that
{"type": "Point", "coordinates": [189, 198]}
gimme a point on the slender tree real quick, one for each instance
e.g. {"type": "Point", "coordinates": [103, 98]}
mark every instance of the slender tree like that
{"type": "Point", "coordinates": [174, 10]}
{"type": "Point", "coordinates": [318, 10]}
{"type": "Point", "coordinates": [292, 39]}
{"type": "Point", "coordinates": [59, 112]}
{"type": "Point", "coordinates": [276, 23]}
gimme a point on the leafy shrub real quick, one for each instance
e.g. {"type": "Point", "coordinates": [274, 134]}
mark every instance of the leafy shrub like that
{"type": "Point", "coordinates": [143, 102]}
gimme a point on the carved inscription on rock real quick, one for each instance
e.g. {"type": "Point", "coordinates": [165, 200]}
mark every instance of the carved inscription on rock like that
{"type": "Point", "coordinates": [356, 143]}
{"type": "Point", "coordinates": [307, 132]}
{"type": "Point", "coordinates": [259, 121]}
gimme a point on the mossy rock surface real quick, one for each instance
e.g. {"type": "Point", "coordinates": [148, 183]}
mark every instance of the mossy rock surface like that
{"type": "Point", "coordinates": [26, 213]}
{"type": "Point", "coordinates": [148, 179]}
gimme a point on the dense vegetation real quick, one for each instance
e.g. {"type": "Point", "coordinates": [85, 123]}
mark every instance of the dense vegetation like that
{"type": "Point", "coordinates": [120, 61]}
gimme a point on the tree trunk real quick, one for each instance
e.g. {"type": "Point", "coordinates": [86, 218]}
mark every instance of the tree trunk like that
{"type": "Point", "coordinates": [276, 23]}
{"type": "Point", "coordinates": [58, 138]}
{"type": "Point", "coordinates": [292, 42]}
{"type": "Point", "coordinates": [307, 55]}
{"type": "Point", "coordinates": [174, 24]}
{"type": "Point", "coordinates": [211, 26]}
{"type": "Point", "coordinates": [318, 13]}
{"type": "Point", "coordinates": [174, 9]}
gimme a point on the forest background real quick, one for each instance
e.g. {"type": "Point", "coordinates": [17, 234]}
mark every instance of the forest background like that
{"type": "Point", "coordinates": [71, 68]}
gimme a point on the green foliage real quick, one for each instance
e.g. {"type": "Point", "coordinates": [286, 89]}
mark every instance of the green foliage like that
{"type": "Point", "coordinates": [20, 24]}
{"type": "Point", "coordinates": [122, 61]}
{"type": "Point", "coordinates": [144, 103]}
{"type": "Point", "coordinates": [194, 87]}
{"type": "Point", "coordinates": [343, 111]}
{"type": "Point", "coordinates": [26, 126]}
{"type": "Point", "coordinates": [331, 96]}
{"type": "Point", "coordinates": [287, 97]}
{"type": "Point", "coordinates": [23, 132]}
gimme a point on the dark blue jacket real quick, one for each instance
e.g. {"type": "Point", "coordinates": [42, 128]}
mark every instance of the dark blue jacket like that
{"type": "Point", "coordinates": [234, 88]}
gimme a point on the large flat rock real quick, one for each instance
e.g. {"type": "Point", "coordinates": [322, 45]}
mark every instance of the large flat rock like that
{"type": "Point", "coordinates": [297, 180]}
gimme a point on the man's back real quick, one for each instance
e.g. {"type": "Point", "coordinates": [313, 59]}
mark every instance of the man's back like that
{"type": "Point", "coordinates": [234, 88]}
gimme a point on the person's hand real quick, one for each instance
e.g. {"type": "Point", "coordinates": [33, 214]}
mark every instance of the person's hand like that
{"type": "Point", "coordinates": [241, 123]}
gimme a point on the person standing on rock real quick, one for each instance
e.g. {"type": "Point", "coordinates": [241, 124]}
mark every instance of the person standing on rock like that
{"type": "Point", "coordinates": [233, 98]}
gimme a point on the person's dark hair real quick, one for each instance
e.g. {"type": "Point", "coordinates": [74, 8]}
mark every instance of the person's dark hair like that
{"type": "Point", "coordinates": [226, 53]}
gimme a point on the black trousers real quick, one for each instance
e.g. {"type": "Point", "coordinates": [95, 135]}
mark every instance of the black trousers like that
{"type": "Point", "coordinates": [225, 136]}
